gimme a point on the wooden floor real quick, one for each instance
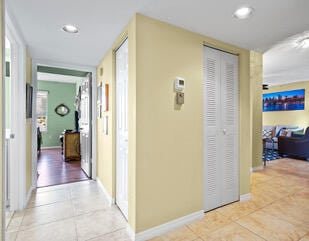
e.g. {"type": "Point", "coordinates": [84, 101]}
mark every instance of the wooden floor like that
{"type": "Point", "coordinates": [53, 170]}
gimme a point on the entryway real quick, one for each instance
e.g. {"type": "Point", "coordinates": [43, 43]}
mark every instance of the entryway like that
{"type": "Point", "coordinates": [63, 123]}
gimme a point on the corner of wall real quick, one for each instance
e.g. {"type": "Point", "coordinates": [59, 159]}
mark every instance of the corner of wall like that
{"type": "Point", "coordinates": [256, 82]}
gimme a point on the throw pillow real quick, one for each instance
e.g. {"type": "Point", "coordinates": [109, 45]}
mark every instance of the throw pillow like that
{"type": "Point", "coordinates": [283, 133]}
{"type": "Point", "coordinates": [288, 132]}
{"type": "Point", "coordinates": [267, 133]}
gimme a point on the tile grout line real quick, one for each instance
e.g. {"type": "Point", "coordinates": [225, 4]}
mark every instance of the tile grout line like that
{"type": "Point", "coordinates": [101, 235]}
{"type": "Point", "coordinates": [251, 231]}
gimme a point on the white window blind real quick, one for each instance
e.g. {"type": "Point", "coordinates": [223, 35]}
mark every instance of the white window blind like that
{"type": "Point", "coordinates": [42, 110]}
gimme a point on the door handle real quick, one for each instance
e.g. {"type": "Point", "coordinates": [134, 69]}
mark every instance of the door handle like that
{"type": "Point", "coordinates": [12, 136]}
{"type": "Point", "coordinates": [224, 131]}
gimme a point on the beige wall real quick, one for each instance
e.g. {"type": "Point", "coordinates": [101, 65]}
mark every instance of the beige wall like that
{"type": "Point", "coordinates": [28, 130]}
{"type": "Point", "coordinates": [256, 79]}
{"type": "Point", "coordinates": [297, 117]}
{"type": "Point", "coordinates": [165, 142]}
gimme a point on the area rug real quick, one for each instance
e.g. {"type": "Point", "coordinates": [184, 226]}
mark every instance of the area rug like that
{"type": "Point", "coordinates": [269, 155]}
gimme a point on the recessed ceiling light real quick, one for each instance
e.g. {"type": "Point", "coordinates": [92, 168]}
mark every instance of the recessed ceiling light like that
{"type": "Point", "coordinates": [304, 43]}
{"type": "Point", "coordinates": [70, 28]}
{"type": "Point", "coordinates": [243, 12]}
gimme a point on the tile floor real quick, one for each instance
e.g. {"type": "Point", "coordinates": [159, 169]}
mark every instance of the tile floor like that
{"type": "Point", "coordinates": [278, 210]}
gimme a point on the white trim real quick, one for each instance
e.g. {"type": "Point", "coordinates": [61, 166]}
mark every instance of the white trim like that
{"type": "Point", "coordinates": [258, 168]}
{"type": "Point", "coordinates": [163, 228]}
{"type": "Point", "coordinates": [59, 78]}
{"type": "Point", "coordinates": [50, 147]}
{"type": "Point", "coordinates": [18, 47]}
{"type": "Point", "coordinates": [110, 199]}
{"type": "Point", "coordinates": [43, 62]}
{"type": "Point", "coordinates": [3, 205]}
{"type": "Point", "coordinates": [245, 197]}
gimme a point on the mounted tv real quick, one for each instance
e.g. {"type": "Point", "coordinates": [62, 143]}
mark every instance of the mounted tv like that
{"type": "Point", "coordinates": [284, 100]}
{"type": "Point", "coordinates": [29, 94]}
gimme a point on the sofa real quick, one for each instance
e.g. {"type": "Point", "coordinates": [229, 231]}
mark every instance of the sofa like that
{"type": "Point", "coordinates": [273, 132]}
{"type": "Point", "coordinates": [294, 146]}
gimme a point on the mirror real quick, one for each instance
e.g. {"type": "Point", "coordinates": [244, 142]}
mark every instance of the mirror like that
{"type": "Point", "coordinates": [62, 110]}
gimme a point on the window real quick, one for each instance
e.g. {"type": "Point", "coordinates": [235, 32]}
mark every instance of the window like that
{"type": "Point", "coordinates": [42, 110]}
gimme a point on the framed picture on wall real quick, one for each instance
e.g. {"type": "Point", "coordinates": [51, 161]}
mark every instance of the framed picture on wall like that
{"type": "Point", "coordinates": [99, 100]}
{"type": "Point", "coordinates": [284, 100]}
{"type": "Point", "coordinates": [29, 94]}
{"type": "Point", "coordinates": [105, 96]}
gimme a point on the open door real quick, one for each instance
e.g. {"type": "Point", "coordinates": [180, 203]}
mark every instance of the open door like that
{"type": "Point", "coordinates": [122, 128]}
{"type": "Point", "coordinates": [85, 125]}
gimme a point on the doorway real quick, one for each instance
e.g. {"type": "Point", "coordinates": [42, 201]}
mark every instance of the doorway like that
{"type": "Point", "coordinates": [122, 127]}
{"type": "Point", "coordinates": [60, 124]}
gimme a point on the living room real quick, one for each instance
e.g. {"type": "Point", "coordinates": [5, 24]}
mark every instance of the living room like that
{"type": "Point", "coordinates": [285, 101]}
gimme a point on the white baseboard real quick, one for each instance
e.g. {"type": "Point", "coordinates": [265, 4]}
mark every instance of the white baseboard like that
{"type": "Point", "coordinates": [163, 228]}
{"type": "Point", "coordinates": [28, 196]}
{"type": "Point", "coordinates": [258, 168]}
{"type": "Point", "coordinates": [245, 197]}
{"type": "Point", "coordinates": [50, 147]}
{"type": "Point", "coordinates": [107, 195]}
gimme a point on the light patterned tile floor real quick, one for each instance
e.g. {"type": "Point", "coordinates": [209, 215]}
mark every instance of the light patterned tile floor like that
{"type": "Point", "coordinates": [278, 210]}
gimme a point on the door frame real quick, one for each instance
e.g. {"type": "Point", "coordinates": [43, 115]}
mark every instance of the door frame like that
{"type": "Point", "coordinates": [50, 63]}
{"type": "Point", "coordinates": [18, 50]}
{"type": "Point", "coordinates": [123, 40]}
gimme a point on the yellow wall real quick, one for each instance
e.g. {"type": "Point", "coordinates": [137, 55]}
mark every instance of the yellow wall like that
{"type": "Point", "coordinates": [105, 154]}
{"type": "Point", "coordinates": [297, 117]}
{"type": "Point", "coordinates": [256, 79]}
{"type": "Point", "coordinates": [106, 143]}
{"type": "Point", "coordinates": [1, 115]}
{"type": "Point", "coordinates": [169, 141]}
{"type": "Point", "coordinates": [166, 142]}
{"type": "Point", "coordinates": [28, 131]}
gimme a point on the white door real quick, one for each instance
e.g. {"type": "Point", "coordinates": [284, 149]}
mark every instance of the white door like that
{"type": "Point", "coordinates": [122, 128]}
{"type": "Point", "coordinates": [85, 125]}
{"type": "Point", "coordinates": [220, 122]}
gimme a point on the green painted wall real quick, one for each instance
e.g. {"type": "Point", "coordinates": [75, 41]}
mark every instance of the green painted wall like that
{"type": "Point", "coordinates": [59, 93]}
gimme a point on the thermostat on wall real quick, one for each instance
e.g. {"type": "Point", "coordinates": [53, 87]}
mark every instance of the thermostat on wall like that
{"type": "Point", "coordinates": [179, 84]}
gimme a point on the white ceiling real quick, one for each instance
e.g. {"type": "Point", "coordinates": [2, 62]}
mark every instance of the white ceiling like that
{"type": "Point", "coordinates": [286, 62]}
{"type": "Point", "coordinates": [101, 21]}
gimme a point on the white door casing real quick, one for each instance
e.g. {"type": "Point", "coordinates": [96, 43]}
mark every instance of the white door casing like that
{"type": "Point", "coordinates": [220, 120]}
{"type": "Point", "coordinates": [90, 69]}
{"type": "Point", "coordinates": [122, 127]}
{"type": "Point", "coordinates": [85, 125]}
{"type": "Point", "coordinates": [17, 139]}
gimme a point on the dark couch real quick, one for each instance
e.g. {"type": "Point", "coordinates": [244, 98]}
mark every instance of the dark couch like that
{"type": "Point", "coordinates": [294, 146]}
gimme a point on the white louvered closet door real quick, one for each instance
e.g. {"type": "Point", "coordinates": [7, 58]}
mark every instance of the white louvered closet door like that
{"type": "Point", "coordinates": [220, 128]}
